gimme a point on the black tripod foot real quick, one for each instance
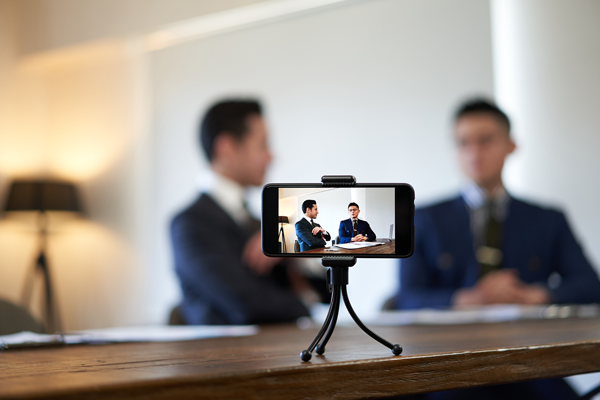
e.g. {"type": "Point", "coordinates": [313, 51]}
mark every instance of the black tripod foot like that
{"type": "Point", "coordinates": [320, 349]}
{"type": "Point", "coordinates": [397, 350]}
{"type": "Point", "coordinates": [305, 355]}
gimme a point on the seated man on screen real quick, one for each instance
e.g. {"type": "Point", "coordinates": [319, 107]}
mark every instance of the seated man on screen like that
{"type": "Point", "coordinates": [487, 247]}
{"type": "Point", "coordinates": [225, 277]}
{"type": "Point", "coordinates": [354, 229]}
{"type": "Point", "coordinates": [310, 234]}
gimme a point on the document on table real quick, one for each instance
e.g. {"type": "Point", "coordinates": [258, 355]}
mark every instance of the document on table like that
{"type": "Point", "coordinates": [151, 333]}
{"type": "Point", "coordinates": [159, 333]}
{"type": "Point", "coordinates": [485, 314]}
{"type": "Point", "coordinates": [358, 245]}
{"type": "Point", "coordinates": [29, 339]}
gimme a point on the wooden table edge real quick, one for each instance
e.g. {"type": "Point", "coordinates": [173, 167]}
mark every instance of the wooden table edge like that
{"type": "Point", "coordinates": [374, 377]}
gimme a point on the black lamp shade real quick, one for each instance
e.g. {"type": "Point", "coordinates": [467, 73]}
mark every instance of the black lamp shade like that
{"type": "Point", "coordinates": [42, 196]}
{"type": "Point", "coordinates": [284, 220]}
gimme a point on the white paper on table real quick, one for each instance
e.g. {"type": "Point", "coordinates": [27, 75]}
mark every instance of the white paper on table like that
{"type": "Point", "coordinates": [485, 314]}
{"type": "Point", "coordinates": [159, 333]}
{"type": "Point", "coordinates": [150, 333]}
{"type": "Point", "coordinates": [26, 337]}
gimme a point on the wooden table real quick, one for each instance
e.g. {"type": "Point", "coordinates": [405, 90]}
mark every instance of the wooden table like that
{"type": "Point", "coordinates": [386, 248]}
{"type": "Point", "coordinates": [267, 366]}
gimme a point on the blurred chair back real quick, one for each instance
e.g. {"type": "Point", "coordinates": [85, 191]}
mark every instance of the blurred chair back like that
{"type": "Point", "coordinates": [14, 319]}
{"type": "Point", "coordinates": [390, 304]}
{"type": "Point", "coordinates": [175, 318]}
{"type": "Point", "coordinates": [337, 240]}
{"type": "Point", "coordinates": [296, 247]}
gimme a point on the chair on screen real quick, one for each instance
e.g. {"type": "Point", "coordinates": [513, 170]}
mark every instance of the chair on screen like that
{"type": "Point", "coordinates": [296, 247]}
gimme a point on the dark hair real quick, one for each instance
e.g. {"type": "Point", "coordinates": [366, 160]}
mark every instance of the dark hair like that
{"type": "Point", "coordinates": [307, 204]}
{"type": "Point", "coordinates": [353, 204]}
{"type": "Point", "coordinates": [482, 106]}
{"type": "Point", "coordinates": [226, 116]}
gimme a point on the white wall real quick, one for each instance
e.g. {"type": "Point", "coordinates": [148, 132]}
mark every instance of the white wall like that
{"type": "Point", "coordinates": [376, 79]}
{"type": "Point", "coordinates": [379, 210]}
{"type": "Point", "coordinates": [547, 58]}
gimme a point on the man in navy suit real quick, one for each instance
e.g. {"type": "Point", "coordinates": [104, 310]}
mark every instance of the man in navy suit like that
{"type": "Point", "coordinates": [310, 234]}
{"type": "Point", "coordinates": [486, 247]}
{"type": "Point", "coordinates": [354, 229]}
{"type": "Point", "coordinates": [225, 277]}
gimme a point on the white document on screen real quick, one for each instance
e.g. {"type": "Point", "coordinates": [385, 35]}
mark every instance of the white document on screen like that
{"type": "Point", "coordinates": [357, 245]}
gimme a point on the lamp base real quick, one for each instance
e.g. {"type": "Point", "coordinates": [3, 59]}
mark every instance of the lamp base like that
{"type": "Point", "coordinates": [51, 316]}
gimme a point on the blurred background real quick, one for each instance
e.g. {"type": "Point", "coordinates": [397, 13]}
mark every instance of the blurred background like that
{"type": "Point", "coordinates": [107, 95]}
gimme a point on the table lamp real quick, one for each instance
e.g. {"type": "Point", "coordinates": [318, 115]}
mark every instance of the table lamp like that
{"type": "Point", "coordinates": [40, 197]}
{"type": "Point", "coordinates": [283, 220]}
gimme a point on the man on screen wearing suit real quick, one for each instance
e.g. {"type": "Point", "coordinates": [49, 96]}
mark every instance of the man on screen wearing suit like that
{"type": "Point", "coordinates": [487, 247]}
{"type": "Point", "coordinates": [225, 277]}
{"type": "Point", "coordinates": [310, 234]}
{"type": "Point", "coordinates": [354, 229]}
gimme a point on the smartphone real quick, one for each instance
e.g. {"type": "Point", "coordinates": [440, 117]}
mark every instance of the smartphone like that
{"type": "Point", "coordinates": [369, 220]}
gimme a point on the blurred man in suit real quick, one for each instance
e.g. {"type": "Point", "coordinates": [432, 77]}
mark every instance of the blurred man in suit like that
{"type": "Point", "coordinates": [310, 234]}
{"type": "Point", "coordinates": [224, 275]}
{"type": "Point", "coordinates": [354, 229]}
{"type": "Point", "coordinates": [486, 247]}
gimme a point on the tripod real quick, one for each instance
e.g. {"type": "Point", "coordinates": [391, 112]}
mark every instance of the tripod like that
{"type": "Point", "coordinates": [337, 277]}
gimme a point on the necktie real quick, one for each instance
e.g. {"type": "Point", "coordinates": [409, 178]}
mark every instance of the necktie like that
{"type": "Point", "coordinates": [251, 225]}
{"type": "Point", "coordinates": [355, 228]}
{"type": "Point", "coordinates": [312, 223]}
{"type": "Point", "coordinates": [489, 254]}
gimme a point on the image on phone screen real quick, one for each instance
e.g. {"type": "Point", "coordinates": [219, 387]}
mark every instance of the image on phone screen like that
{"type": "Point", "coordinates": [367, 221]}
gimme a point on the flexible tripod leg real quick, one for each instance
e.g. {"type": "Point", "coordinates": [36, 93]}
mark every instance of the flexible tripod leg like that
{"type": "Point", "coordinates": [336, 298]}
{"type": "Point", "coordinates": [306, 355]}
{"type": "Point", "coordinates": [396, 348]}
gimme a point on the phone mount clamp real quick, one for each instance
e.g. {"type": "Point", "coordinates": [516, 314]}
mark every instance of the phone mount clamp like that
{"type": "Point", "coordinates": [337, 280]}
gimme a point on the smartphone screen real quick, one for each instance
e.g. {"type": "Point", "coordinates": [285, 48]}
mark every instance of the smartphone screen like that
{"type": "Point", "coordinates": [364, 220]}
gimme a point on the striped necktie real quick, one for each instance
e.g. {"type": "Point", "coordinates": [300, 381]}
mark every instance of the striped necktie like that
{"type": "Point", "coordinates": [489, 255]}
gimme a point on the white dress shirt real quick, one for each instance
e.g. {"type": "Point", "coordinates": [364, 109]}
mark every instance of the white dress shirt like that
{"type": "Point", "coordinates": [227, 193]}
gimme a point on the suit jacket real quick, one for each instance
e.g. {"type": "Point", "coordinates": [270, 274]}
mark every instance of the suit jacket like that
{"type": "Point", "coordinates": [537, 242]}
{"type": "Point", "coordinates": [218, 287]}
{"type": "Point", "coordinates": [346, 230]}
{"type": "Point", "coordinates": [306, 239]}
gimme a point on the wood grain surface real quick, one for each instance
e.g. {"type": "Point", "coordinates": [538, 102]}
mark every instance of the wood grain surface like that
{"type": "Point", "coordinates": [267, 366]}
{"type": "Point", "coordinates": [386, 248]}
